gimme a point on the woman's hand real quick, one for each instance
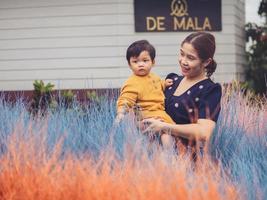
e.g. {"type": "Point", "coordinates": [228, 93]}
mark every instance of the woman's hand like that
{"type": "Point", "coordinates": [154, 125]}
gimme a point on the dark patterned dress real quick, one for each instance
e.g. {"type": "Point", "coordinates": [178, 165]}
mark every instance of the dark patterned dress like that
{"type": "Point", "coordinates": [201, 101]}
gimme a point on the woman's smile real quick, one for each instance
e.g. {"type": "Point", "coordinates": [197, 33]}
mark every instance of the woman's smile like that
{"type": "Point", "coordinates": [185, 69]}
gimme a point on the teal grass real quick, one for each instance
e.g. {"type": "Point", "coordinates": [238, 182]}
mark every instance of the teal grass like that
{"type": "Point", "coordinates": [239, 143]}
{"type": "Point", "coordinates": [238, 146]}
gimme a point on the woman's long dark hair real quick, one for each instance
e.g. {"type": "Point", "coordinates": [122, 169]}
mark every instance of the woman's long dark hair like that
{"type": "Point", "coordinates": [204, 43]}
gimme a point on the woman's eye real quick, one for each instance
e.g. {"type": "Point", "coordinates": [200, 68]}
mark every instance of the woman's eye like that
{"type": "Point", "coordinates": [191, 57]}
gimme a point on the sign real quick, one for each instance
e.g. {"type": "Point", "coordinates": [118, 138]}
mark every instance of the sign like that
{"type": "Point", "coordinates": [177, 15]}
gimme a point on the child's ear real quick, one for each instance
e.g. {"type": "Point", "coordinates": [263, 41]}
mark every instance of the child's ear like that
{"type": "Point", "coordinates": [153, 62]}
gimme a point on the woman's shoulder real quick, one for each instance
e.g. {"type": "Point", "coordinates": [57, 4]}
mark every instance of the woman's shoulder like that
{"type": "Point", "coordinates": [212, 86]}
{"type": "Point", "coordinates": [210, 90]}
{"type": "Point", "coordinates": [205, 89]}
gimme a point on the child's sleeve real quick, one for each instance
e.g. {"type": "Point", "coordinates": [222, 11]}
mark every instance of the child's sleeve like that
{"type": "Point", "coordinates": [163, 85]}
{"type": "Point", "coordinates": [127, 98]}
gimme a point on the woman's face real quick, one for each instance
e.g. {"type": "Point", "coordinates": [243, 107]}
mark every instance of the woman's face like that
{"type": "Point", "coordinates": [191, 65]}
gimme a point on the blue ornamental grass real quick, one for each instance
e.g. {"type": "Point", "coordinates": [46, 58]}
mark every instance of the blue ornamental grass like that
{"type": "Point", "coordinates": [40, 154]}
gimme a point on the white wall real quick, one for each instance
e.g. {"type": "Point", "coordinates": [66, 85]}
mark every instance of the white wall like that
{"type": "Point", "coordinates": [81, 43]}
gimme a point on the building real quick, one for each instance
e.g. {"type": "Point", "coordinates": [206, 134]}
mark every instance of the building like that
{"type": "Point", "coordinates": [81, 44]}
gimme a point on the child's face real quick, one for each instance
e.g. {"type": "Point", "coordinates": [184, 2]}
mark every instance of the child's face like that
{"type": "Point", "coordinates": [142, 64]}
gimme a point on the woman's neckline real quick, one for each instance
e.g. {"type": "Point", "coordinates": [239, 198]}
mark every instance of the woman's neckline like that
{"type": "Point", "coordinates": [202, 80]}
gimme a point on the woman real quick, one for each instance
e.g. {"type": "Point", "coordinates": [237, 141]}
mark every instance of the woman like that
{"type": "Point", "coordinates": [193, 100]}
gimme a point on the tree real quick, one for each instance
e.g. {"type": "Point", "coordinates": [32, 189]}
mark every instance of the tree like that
{"type": "Point", "coordinates": [256, 70]}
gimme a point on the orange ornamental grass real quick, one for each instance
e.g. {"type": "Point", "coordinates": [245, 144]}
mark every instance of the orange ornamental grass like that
{"type": "Point", "coordinates": [29, 172]}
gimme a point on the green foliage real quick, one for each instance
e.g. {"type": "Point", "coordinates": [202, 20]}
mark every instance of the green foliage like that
{"type": "Point", "coordinates": [41, 88]}
{"type": "Point", "coordinates": [42, 97]}
{"type": "Point", "coordinates": [67, 98]}
{"type": "Point", "coordinates": [256, 70]}
{"type": "Point", "coordinates": [263, 8]}
{"type": "Point", "coordinates": [253, 32]}
{"type": "Point", "coordinates": [92, 96]}
{"type": "Point", "coordinates": [94, 99]}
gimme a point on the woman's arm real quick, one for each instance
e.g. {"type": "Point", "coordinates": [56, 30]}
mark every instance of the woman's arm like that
{"type": "Point", "coordinates": [200, 130]}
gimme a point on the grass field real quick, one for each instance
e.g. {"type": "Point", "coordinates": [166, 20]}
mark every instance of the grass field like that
{"type": "Point", "coordinates": [78, 153]}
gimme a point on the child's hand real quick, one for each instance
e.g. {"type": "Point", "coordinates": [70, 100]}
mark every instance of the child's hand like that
{"type": "Point", "coordinates": [119, 117]}
{"type": "Point", "coordinates": [168, 82]}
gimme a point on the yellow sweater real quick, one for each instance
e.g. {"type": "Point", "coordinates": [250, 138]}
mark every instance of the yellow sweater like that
{"type": "Point", "coordinates": [145, 92]}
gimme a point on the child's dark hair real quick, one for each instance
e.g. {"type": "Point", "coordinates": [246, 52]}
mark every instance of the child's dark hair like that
{"type": "Point", "coordinates": [204, 43]}
{"type": "Point", "coordinates": [137, 47]}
